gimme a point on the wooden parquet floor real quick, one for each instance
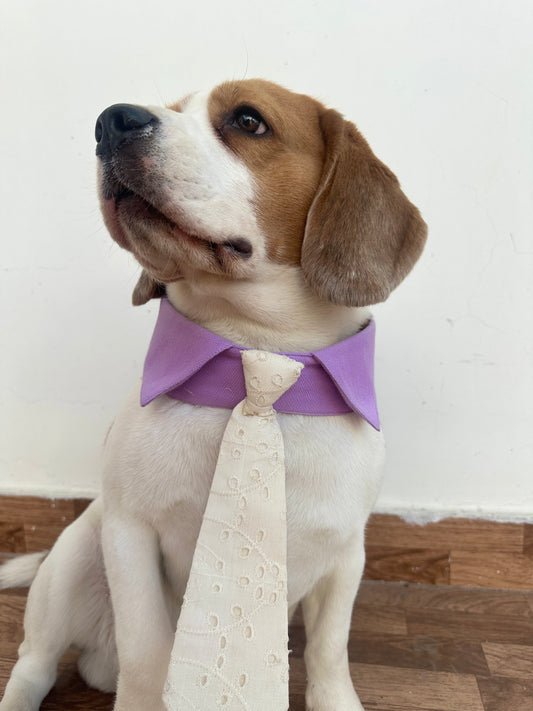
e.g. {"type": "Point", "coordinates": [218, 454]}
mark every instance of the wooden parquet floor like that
{"type": "Point", "coordinates": [413, 647]}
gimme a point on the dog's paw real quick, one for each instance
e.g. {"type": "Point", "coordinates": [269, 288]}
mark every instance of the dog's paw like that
{"type": "Point", "coordinates": [23, 694]}
{"type": "Point", "coordinates": [330, 696]}
{"type": "Point", "coordinates": [24, 702]}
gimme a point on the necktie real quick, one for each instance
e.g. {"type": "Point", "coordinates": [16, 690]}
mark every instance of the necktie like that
{"type": "Point", "coordinates": [230, 649]}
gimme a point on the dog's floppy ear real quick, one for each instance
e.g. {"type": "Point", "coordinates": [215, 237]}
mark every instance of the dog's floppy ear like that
{"type": "Point", "coordinates": [147, 288]}
{"type": "Point", "coordinates": [363, 235]}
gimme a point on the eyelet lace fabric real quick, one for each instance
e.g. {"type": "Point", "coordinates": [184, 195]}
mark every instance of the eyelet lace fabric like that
{"type": "Point", "coordinates": [231, 644]}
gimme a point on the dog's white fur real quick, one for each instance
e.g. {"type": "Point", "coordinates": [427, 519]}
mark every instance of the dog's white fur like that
{"type": "Point", "coordinates": [119, 571]}
{"type": "Point", "coordinates": [206, 184]}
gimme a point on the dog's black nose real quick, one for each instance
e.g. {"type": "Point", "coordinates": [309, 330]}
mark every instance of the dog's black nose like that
{"type": "Point", "coordinates": [117, 123]}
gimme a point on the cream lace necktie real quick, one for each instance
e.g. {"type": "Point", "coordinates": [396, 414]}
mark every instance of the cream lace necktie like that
{"type": "Point", "coordinates": [230, 649]}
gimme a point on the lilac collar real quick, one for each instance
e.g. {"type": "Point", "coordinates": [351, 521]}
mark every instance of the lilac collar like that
{"type": "Point", "coordinates": [189, 363]}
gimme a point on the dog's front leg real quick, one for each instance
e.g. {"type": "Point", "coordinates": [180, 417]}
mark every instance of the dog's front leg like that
{"type": "Point", "coordinates": [144, 632]}
{"type": "Point", "coordinates": [327, 615]}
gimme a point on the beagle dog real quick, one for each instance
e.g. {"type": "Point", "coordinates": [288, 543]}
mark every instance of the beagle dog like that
{"type": "Point", "coordinates": [265, 218]}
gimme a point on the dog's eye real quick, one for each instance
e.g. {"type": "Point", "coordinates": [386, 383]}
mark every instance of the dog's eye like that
{"type": "Point", "coordinates": [249, 120]}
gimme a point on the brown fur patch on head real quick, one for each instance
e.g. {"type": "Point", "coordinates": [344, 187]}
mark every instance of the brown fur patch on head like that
{"type": "Point", "coordinates": [363, 235]}
{"type": "Point", "coordinates": [323, 198]}
{"type": "Point", "coordinates": [286, 161]}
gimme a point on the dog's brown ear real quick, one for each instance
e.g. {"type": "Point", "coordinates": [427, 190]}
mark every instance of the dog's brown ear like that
{"type": "Point", "coordinates": [147, 288]}
{"type": "Point", "coordinates": [363, 235]}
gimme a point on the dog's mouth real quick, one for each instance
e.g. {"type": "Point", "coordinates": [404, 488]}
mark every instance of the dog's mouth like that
{"type": "Point", "coordinates": [124, 209]}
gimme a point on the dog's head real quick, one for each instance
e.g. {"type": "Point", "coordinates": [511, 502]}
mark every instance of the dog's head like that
{"type": "Point", "coordinates": [222, 183]}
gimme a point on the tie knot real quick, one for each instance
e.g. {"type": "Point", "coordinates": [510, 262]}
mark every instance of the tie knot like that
{"type": "Point", "coordinates": [267, 376]}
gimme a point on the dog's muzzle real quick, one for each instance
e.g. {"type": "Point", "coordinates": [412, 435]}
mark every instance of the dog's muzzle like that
{"type": "Point", "coordinates": [120, 123]}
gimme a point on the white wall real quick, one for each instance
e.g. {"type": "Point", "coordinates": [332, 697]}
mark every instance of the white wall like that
{"type": "Point", "coordinates": [441, 89]}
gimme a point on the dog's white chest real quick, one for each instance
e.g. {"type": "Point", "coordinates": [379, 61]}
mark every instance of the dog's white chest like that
{"type": "Point", "coordinates": [161, 459]}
